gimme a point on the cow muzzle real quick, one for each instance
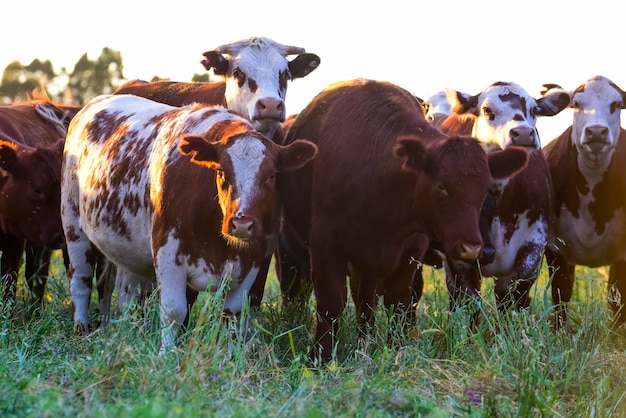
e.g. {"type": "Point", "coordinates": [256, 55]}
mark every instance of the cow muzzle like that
{"type": "Point", "coordinates": [469, 251]}
{"type": "Point", "coordinates": [524, 136]}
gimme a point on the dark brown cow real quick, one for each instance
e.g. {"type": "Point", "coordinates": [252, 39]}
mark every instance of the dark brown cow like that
{"type": "Point", "coordinates": [31, 146]}
{"type": "Point", "coordinates": [182, 197]}
{"type": "Point", "coordinates": [518, 214]}
{"type": "Point", "coordinates": [256, 74]}
{"type": "Point", "coordinates": [384, 182]}
{"type": "Point", "coordinates": [587, 167]}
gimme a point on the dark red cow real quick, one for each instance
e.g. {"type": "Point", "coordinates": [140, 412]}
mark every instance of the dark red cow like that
{"type": "Point", "coordinates": [256, 74]}
{"type": "Point", "coordinates": [587, 166]}
{"type": "Point", "coordinates": [181, 197]}
{"type": "Point", "coordinates": [384, 181]}
{"type": "Point", "coordinates": [31, 146]}
{"type": "Point", "coordinates": [518, 213]}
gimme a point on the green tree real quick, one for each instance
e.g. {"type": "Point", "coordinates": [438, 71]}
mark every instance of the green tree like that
{"type": "Point", "coordinates": [92, 78]}
{"type": "Point", "coordinates": [19, 81]}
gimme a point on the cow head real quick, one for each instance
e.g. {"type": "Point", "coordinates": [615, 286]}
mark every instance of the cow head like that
{"type": "Point", "coordinates": [30, 192]}
{"type": "Point", "coordinates": [436, 107]}
{"type": "Point", "coordinates": [245, 168]}
{"type": "Point", "coordinates": [505, 114]}
{"type": "Point", "coordinates": [453, 178]}
{"type": "Point", "coordinates": [256, 72]}
{"type": "Point", "coordinates": [597, 105]}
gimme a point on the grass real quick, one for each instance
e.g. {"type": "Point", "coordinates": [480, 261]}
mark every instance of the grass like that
{"type": "Point", "coordinates": [511, 366]}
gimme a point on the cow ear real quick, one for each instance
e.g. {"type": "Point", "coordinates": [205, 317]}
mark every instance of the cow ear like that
{"type": "Point", "coordinates": [216, 61]}
{"type": "Point", "coordinates": [303, 65]}
{"type": "Point", "coordinates": [412, 150]}
{"type": "Point", "coordinates": [553, 101]}
{"type": "Point", "coordinates": [8, 156]}
{"type": "Point", "coordinates": [462, 102]}
{"type": "Point", "coordinates": [201, 151]}
{"type": "Point", "coordinates": [296, 155]}
{"type": "Point", "coordinates": [507, 162]}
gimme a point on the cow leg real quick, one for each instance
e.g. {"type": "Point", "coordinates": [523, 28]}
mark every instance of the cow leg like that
{"type": "Point", "coordinates": [11, 250]}
{"type": "Point", "coordinates": [331, 291]}
{"type": "Point", "coordinates": [172, 285]}
{"type": "Point", "coordinates": [486, 214]}
{"type": "Point", "coordinates": [106, 273]}
{"type": "Point", "coordinates": [36, 268]}
{"type": "Point", "coordinates": [364, 292]}
{"type": "Point", "coordinates": [515, 291]}
{"type": "Point", "coordinates": [132, 290]}
{"type": "Point", "coordinates": [399, 295]}
{"type": "Point", "coordinates": [463, 281]}
{"type": "Point", "coordinates": [293, 268]}
{"type": "Point", "coordinates": [617, 291]}
{"type": "Point", "coordinates": [83, 258]}
{"type": "Point", "coordinates": [563, 275]}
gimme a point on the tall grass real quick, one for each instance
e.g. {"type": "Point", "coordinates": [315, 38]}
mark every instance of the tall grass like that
{"type": "Point", "coordinates": [511, 365]}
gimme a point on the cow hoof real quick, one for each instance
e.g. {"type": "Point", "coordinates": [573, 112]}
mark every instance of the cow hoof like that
{"type": "Point", "coordinates": [80, 329]}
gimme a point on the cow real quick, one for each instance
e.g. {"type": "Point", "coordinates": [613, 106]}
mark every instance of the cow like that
{"type": "Point", "coordinates": [589, 182]}
{"type": "Point", "coordinates": [256, 73]}
{"type": "Point", "coordinates": [436, 107]}
{"type": "Point", "coordinates": [31, 144]}
{"type": "Point", "coordinates": [383, 183]}
{"type": "Point", "coordinates": [518, 212]}
{"type": "Point", "coordinates": [176, 197]}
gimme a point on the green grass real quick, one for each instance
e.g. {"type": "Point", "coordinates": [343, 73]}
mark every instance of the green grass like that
{"type": "Point", "coordinates": [510, 366]}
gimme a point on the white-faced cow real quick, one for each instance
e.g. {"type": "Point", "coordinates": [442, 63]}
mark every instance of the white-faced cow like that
{"type": "Point", "coordinates": [587, 166]}
{"type": "Point", "coordinates": [177, 196]}
{"type": "Point", "coordinates": [518, 212]}
{"type": "Point", "coordinates": [31, 146]}
{"type": "Point", "coordinates": [256, 73]}
{"type": "Point", "coordinates": [436, 107]}
{"type": "Point", "coordinates": [384, 181]}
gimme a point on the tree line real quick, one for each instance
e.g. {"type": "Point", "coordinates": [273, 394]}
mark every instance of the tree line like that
{"type": "Point", "coordinates": [88, 79]}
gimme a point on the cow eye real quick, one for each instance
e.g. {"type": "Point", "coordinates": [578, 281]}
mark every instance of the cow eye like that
{"type": "Point", "coordinates": [489, 113]}
{"type": "Point", "coordinates": [616, 106]}
{"type": "Point", "coordinates": [575, 105]}
{"type": "Point", "coordinates": [441, 188]}
{"type": "Point", "coordinates": [239, 76]}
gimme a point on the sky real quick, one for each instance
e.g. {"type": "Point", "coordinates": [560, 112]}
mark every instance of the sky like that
{"type": "Point", "coordinates": [421, 46]}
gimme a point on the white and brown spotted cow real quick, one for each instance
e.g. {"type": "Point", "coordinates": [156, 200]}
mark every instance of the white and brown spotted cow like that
{"type": "Point", "coordinates": [518, 212]}
{"type": "Point", "coordinates": [176, 196]}
{"type": "Point", "coordinates": [587, 163]}
{"type": "Point", "coordinates": [256, 73]}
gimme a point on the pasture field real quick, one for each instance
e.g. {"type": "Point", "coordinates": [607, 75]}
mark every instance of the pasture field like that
{"type": "Point", "coordinates": [512, 366]}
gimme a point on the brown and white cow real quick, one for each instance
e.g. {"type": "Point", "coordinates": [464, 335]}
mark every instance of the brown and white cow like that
{"type": "Point", "coordinates": [587, 166]}
{"type": "Point", "coordinates": [436, 107]}
{"type": "Point", "coordinates": [256, 74]}
{"type": "Point", "coordinates": [177, 196]}
{"type": "Point", "coordinates": [518, 212]}
{"type": "Point", "coordinates": [383, 182]}
{"type": "Point", "coordinates": [31, 146]}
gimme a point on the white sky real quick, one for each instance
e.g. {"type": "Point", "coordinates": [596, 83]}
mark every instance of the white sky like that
{"type": "Point", "coordinates": [421, 46]}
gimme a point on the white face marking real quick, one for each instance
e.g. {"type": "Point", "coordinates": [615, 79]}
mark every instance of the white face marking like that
{"type": "Point", "coordinates": [502, 109]}
{"type": "Point", "coordinates": [262, 64]}
{"type": "Point", "coordinates": [246, 154]}
{"type": "Point", "coordinates": [437, 104]}
{"type": "Point", "coordinates": [597, 110]}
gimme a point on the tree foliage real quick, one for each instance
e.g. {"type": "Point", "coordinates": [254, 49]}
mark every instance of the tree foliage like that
{"type": "Point", "coordinates": [88, 79]}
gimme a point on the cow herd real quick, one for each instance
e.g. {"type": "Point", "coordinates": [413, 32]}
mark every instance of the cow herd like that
{"type": "Point", "coordinates": [180, 187]}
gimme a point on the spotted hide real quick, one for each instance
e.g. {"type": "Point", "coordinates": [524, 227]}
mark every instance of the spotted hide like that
{"type": "Point", "coordinates": [256, 73]}
{"type": "Point", "coordinates": [31, 145]}
{"type": "Point", "coordinates": [174, 196]}
{"type": "Point", "coordinates": [384, 182]}
{"type": "Point", "coordinates": [587, 166]}
{"type": "Point", "coordinates": [518, 213]}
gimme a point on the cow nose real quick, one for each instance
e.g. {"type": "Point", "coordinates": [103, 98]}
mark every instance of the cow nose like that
{"type": "Point", "coordinates": [241, 226]}
{"type": "Point", "coordinates": [522, 136]}
{"type": "Point", "coordinates": [596, 133]}
{"type": "Point", "coordinates": [469, 251]}
{"type": "Point", "coordinates": [270, 108]}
